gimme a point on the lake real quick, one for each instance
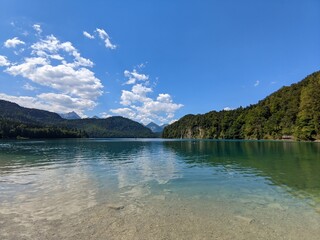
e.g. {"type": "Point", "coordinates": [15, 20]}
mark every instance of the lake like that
{"type": "Point", "coordinates": [159, 189]}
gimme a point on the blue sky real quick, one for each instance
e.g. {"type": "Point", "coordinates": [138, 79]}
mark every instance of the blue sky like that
{"type": "Point", "coordinates": [153, 60]}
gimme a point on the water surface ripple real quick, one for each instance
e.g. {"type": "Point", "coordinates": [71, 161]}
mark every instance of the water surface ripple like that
{"type": "Point", "coordinates": [198, 189]}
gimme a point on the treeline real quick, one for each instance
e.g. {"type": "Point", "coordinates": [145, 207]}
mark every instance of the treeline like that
{"type": "Point", "coordinates": [18, 130]}
{"type": "Point", "coordinates": [292, 112]}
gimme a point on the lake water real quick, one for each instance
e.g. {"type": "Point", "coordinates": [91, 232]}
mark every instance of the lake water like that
{"type": "Point", "coordinates": [159, 189]}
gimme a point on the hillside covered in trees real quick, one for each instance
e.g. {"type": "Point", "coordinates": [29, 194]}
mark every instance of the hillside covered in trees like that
{"type": "Point", "coordinates": [292, 113]}
{"type": "Point", "coordinates": [111, 127]}
{"type": "Point", "coordinates": [20, 122]}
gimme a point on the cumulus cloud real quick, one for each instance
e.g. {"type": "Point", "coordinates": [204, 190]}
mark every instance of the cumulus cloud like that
{"type": "Point", "coordinates": [4, 61]}
{"type": "Point", "coordinates": [139, 106]}
{"type": "Point", "coordinates": [51, 46]}
{"type": "Point", "coordinates": [87, 35]}
{"type": "Point", "coordinates": [105, 37]}
{"type": "Point", "coordinates": [137, 94]}
{"type": "Point", "coordinates": [134, 76]}
{"type": "Point", "coordinates": [67, 103]}
{"type": "Point", "coordinates": [77, 82]}
{"type": "Point", "coordinates": [12, 43]}
{"type": "Point", "coordinates": [257, 83]}
{"type": "Point", "coordinates": [60, 67]}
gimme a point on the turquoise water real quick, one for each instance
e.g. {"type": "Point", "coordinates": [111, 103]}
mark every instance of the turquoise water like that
{"type": "Point", "coordinates": [53, 178]}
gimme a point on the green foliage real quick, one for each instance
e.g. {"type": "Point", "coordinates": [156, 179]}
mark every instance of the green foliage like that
{"type": "Point", "coordinates": [12, 129]}
{"type": "Point", "coordinates": [309, 112]}
{"type": "Point", "coordinates": [111, 127]}
{"type": "Point", "coordinates": [290, 112]}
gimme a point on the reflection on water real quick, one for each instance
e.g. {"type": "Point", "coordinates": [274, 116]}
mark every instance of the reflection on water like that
{"type": "Point", "coordinates": [52, 178]}
{"type": "Point", "coordinates": [291, 165]}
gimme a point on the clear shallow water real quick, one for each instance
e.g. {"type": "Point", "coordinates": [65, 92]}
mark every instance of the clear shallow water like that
{"type": "Point", "coordinates": [274, 184]}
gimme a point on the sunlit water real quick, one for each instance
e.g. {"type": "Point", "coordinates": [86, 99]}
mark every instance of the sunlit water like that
{"type": "Point", "coordinates": [272, 189]}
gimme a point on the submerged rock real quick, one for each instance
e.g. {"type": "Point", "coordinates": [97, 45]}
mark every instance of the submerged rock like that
{"type": "Point", "coordinates": [115, 207]}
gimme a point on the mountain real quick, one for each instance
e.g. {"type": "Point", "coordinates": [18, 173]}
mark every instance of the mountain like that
{"type": "Point", "coordinates": [111, 127]}
{"type": "Point", "coordinates": [13, 111]}
{"type": "Point", "coordinates": [20, 122]}
{"type": "Point", "coordinates": [292, 112]}
{"type": "Point", "coordinates": [154, 127]}
{"type": "Point", "coordinates": [70, 115]}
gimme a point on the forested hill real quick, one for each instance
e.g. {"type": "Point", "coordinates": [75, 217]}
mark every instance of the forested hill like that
{"type": "Point", "coordinates": [290, 113]}
{"type": "Point", "coordinates": [13, 111]}
{"type": "Point", "coordinates": [20, 122]}
{"type": "Point", "coordinates": [119, 127]}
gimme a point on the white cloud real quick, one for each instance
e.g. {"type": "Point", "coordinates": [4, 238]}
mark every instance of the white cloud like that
{"type": "Point", "coordinates": [76, 82]}
{"type": "Point", "coordinates": [51, 46]}
{"type": "Point", "coordinates": [29, 87]}
{"type": "Point", "coordinates": [88, 35]}
{"type": "Point", "coordinates": [126, 112]}
{"type": "Point", "coordinates": [37, 28]}
{"type": "Point", "coordinates": [161, 109]}
{"type": "Point", "coordinates": [228, 109]}
{"type": "Point", "coordinates": [257, 83]}
{"type": "Point", "coordinates": [134, 76]}
{"type": "Point", "coordinates": [137, 105]}
{"type": "Point", "coordinates": [67, 103]}
{"type": "Point", "coordinates": [4, 61]}
{"type": "Point", "coordinates": [105, 37]}
{"type": "Point", "coordinates": [60, 67]}
{"type": "Point", "coordinates": [105, 115]}
{"type": "Point", "coordinates": [166, 98]}
{"type": "Point", "coordinates": [12, 43]}
{"type": "Point", "coordinates": [137, 94]}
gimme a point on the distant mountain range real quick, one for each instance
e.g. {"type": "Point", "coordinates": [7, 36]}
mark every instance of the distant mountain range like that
{"type": "Point", "coordinates": [20, 122]}
{"type": "Point", "coordinates": [290, 113]}
{"type": "Point", "coordinates": [155, 127]}
{"type": "Point", "coordinates": [70, 115]}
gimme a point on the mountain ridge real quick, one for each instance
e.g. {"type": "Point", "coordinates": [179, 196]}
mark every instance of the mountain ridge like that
{"type": "Point", "coordinates": [20, 122]}
{"type": "Point", "coordinates": [155, 127]}
{"type": "Point", "coordinates": [70, 115]}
